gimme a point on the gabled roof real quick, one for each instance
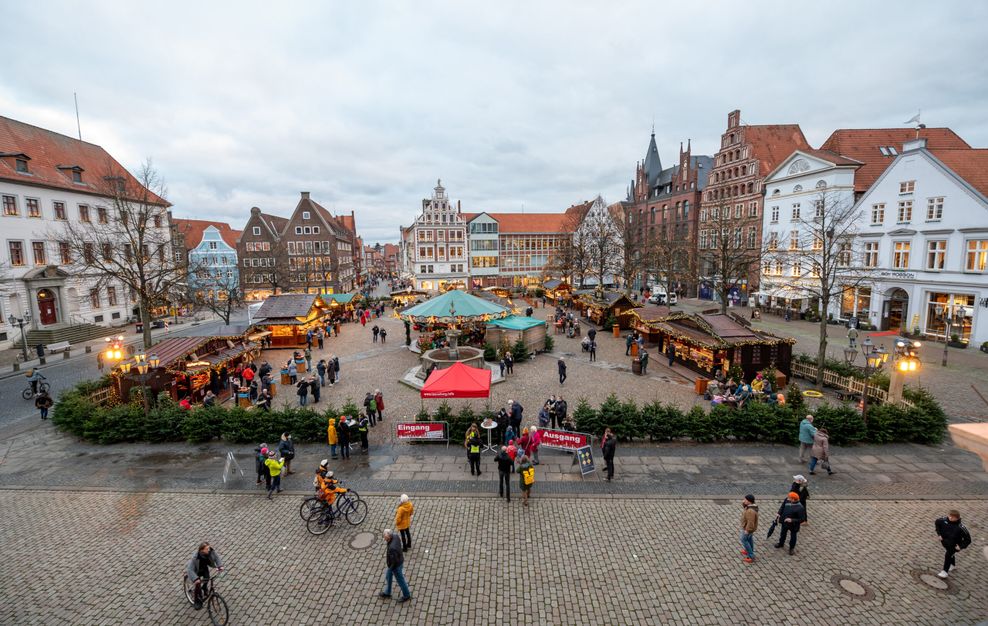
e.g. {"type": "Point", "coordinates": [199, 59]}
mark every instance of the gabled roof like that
{"type": "Point", "coordinates": [527, 222]}
{"type": "Point", "coordinates": [862, 144]}
{"type": "Point", "coordinates": [53, 156]}
{"type": "Point", "coordinates": [822, 155]}
{"type": "Point", "coordinates": [192, 230]}
{"type": "Point", "coordinates": [971, 165]}
{"type": "Point", "coordinates": [773, 143]}
{"type": "Point", "coordinates": [275, 224]}
{"type": "Point", "coordinates": [578, 211]}
{"type": "Point", "coordinates": [288, 305]}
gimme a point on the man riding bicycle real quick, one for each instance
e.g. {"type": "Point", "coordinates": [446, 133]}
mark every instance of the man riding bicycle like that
{"type": "Point", "coordinates": [33, 377]}
{"type": "Point", "coordinates": [198, 570]}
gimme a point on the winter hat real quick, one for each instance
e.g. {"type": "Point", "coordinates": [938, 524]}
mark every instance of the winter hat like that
{"type": "Point", "coordinates": [750, 498]}
{"type": "Point", "coordinates": [799, 478]}
{"type": "Point", "coordinates": [270, 454]}
{"type": "Point", "coordinates": [403, 498]}
{"type": "Point", "coordinates": [793, 495]}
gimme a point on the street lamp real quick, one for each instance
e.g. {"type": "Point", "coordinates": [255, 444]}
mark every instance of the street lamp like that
{"type": "Point", "coordinates": [961, 314]}
{"type": "Point", "coordinates": [875, 358]}
{"type": "Point", "coordinates": [850, 354]}
{"type": "Point", "coordinates": [21, 322]}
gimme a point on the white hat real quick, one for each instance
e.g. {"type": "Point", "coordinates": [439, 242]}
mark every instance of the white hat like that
{"type": "Point", "coordinates": [799, 478]}
{"type": "Point", "coordinates": [403, 498]}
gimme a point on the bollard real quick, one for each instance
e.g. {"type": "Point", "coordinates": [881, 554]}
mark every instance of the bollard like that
{"type": "Point", "coordinates": [66, 354]}
{"type": "Point", "coordinates": [41, 360]}
{"type": "Point", "coordinates": [17, 367]}
{"type": "Point", "coordinates": [89, 349]}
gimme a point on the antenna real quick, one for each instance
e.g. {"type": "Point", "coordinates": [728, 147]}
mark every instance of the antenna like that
{"type": "Point", "coordinates": [77, 124]}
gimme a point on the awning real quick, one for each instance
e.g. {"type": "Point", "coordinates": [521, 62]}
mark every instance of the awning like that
{"type": "Point", "coordinates": [458, 381]}
{"type": "Point", "coordinates": [516, 322]}
{"type": "Point", "coordinates": [258, 335]}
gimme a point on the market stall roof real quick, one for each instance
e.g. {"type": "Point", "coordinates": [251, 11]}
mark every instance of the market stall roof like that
{"type": "Point", "coordinates": [652, 313]}
{"type": "Point", "coordinates": [233, 330]}
{"type": "Point", "coordinates": [458, 381]}
{"type": "Point", "coordinates": [408, 291]}
{"type": "Point", "coordinates": [228, 353]}
{"type": "Point", "coordinates": [716, 331]}
{"type": "Point", "coordinates": [517, 322]}
{"type": "Point", "coordinates": [555, 283]}
{"type": "Point", "coordinates": [340, 298]}
{"type": "Point", "coordinates": [288, 305]}
{"type": "Point", "coordinates": [454, 306]}
{"type": "Point", "coordinates": [172, 350]}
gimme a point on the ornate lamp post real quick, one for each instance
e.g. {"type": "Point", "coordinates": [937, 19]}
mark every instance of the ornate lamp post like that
{"type": "Point", "coordinates": [850, 354]}
{"type": "Point", "coordinates": [875, 358]}
{"type": "Point", "coordinates": [21, 322]}
{"type": "Point", "coordinates": [145, 364]}
{"type": "Point", "coordinates": [906, 362]}
{"type": "Point", "coordinates": [961, 314]}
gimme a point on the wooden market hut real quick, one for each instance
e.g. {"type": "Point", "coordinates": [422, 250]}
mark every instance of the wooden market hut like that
{"type": "Point", "coordinates": [601, 306]}
{"type": "Point", "coordinates": [288, 317]}
{"type": "Point", "coordinates": [646, 318]}
{"type": "Point", "coordinates": [510, 329]}
{"type": "Point", "coordinates": [706, 343]}
{"type": "Point", "coordinates": [557, 290]}
{"type": "Point", "coordinates": [404, 297]}
{"type": "Point", "coordinates": [342, 305]}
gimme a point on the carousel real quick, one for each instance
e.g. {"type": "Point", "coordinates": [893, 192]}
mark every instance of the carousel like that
{"type": "Point", "coordinates": [445, 323]}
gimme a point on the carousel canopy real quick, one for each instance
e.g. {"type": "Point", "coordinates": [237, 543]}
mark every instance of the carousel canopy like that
{"type": "Point", "coordinates": [454, 306]}
{"type": "Point", "coordinates": [458, 381]}
{"type": "Point", "coordinates": [516, 322]}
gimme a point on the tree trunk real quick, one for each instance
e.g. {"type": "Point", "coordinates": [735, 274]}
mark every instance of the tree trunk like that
{"type": "Point", "coordinates": [822, 352]}
{"type": "Point", "coordinates": [723, 300]}
{"type": "Point", "coordinates": [146, 323]}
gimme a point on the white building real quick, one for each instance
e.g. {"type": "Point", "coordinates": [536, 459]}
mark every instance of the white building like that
{"type": "Point", "coordinates": [926, 237]}
{"type": "Point", "coordinates": [47, 179]}
{"type": "Point", "coordinates": [435, 244]}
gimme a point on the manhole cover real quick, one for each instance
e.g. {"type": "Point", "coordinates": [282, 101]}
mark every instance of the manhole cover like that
{"type": "Point", "coordinates": [853, 587]}
{"type": "Point", "coordinates": [362, 541]}
{"type": "Point", "coordinates": [933, 581]}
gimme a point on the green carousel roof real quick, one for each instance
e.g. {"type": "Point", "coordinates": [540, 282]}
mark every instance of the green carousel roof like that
{"type": "Point", "coordinates": [454, 306]}
{"type": "Point", "coordinates": [517, 322]}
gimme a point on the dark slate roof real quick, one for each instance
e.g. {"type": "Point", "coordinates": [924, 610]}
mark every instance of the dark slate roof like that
{"type": "Point", "coordinates": [653, 164]}
{"type": "Point", "coordinates": [287, 305]}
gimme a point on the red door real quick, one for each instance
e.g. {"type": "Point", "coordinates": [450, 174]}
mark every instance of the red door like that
{"type": "Point", "coordinates": [46, 307]}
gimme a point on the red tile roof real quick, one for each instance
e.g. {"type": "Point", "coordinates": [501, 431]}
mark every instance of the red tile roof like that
{"type": "Point", "coordinates": [192, 231]}
{"type": "Point", "coordinates": [275, 223]}
{"type": "Point", "coordinates": [526, 222]}
{"type": "Point", "coordinates": [862, 144]}
{"type": "Point", "coordinates": [970, 164]}
{"type": "Point", "coordinates": [771, 144]}
{"type": "Point", "coordinates": [49, 151]}
{"type": "Point", "coordinates": [830, 155]}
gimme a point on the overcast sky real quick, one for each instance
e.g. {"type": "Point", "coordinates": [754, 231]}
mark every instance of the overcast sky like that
{"type": "Point", "coordinates": [516, 105]}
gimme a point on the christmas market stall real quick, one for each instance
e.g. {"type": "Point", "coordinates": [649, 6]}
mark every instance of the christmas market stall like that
{"type": "Point", "coordinates": [288, 317]}
{"type": "Point", "coordinates": [603, 306]}
{"type": "Point", "coordinates": [404, 297]}
{"type": "Point", "coordinates": [453, 309]}
{"type": "Point", "coordinates": [706, 343]}
{"type": "Point", "coordinates": [514, 327]}
{"type": "Point", "coordinates": [557, 290]}
{"type": "Point", "coordinates": [342, 305]}
{"type": "Point", "coordinates": [645, 319]}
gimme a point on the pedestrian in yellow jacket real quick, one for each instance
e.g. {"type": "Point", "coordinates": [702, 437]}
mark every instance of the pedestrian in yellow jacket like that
{"type": "Point", "coordinates": [331, 437]}
{"type": "Point", "coordinates": [403, 522]}
{"type": "Point", "coordinates": [274, 468]}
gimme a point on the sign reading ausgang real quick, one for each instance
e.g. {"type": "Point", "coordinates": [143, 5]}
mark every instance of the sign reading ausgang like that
{"type": "Point", "coordinates": [563, 439]}
{"type": "Point", "coordinates": [420, 430]}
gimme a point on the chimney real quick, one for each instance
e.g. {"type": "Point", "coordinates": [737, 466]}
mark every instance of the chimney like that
{"type": "Point", "coordinates": [916, 144]}
{"type": "Point", "coordinates": [305, 195]}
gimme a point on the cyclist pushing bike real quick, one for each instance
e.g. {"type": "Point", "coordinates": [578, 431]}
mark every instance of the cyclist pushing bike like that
{"type": "Point", "coordinates": [33, 377]}
{"type": "Point", "coordinates": [198, 570]}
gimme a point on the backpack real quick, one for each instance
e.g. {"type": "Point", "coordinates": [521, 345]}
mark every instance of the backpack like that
{"type": "Point", "coordinates": [528, 475]}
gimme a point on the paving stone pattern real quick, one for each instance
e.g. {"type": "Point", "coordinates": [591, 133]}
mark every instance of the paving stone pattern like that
{"type": "Point", "coordinates": [112, 558]}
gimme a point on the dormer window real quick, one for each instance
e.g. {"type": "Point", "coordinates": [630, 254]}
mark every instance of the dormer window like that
{"type": "Point", "coordinates": [21, 165]}
{"type": "Point", "coordinates": [76, 176]}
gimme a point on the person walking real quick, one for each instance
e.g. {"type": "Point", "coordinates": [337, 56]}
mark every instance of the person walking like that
{"type": "Point", "coordinates": [593, 350]}
{"type": "Point", "coordinates": [370, 408]}
{"type": "Point", "coordinates": [343, 432]}
{"type": "Point", "coordinates": [363, 430]}
{"type": "Point", "coordinates": [472, 444]}
{"type": "Point", "coordinates": [377, 331]}
{"type": "Point", "coordinates": [308, 358]}
{"type": "Point", "coordinates": [504, 468]}
{"type": "Point", "coordinates": [403, 522]}
{"type": "Point", "coordinates": [302, 390]}
{"type": "Point", "coordinates": [671, 353]}
{"type": "Point", "coordinates": [821, 452]}
{"type": "Point", "coordinates": [260, 456]}
{"type": "Point", "coordinates": [319, 338]}
{"type": "Point", "coordinates": [791, 516]}
{"type": "Point", "coordinates": [331, 372]}
{"type": "Point", "coordinates": [274, 468]}
{"type": "Point", "coordinates": [379, 404]}
{"type": "Point", "coordinates": [643, 357]}
{"type": "Point", "coordinates": [806, 432]}
{"type": "Point", "coordinates": [384, 335]}
{"type": "Point", "coordinates": [43, 402]}
{"type": "Point", "coordinates": [852, 337]}
{"type": "Point", "coordinates": [749, 524]}
{"type": "Point", "coordinates": [561, 366]}
{"type": "Point", "coordinates": [609, 446]}
{"type": "Point", "coordinates": [501, 365]}
{"type": "Point", "coordinates": [395, 558]}
{"type": "Point", "coordinates": [954, 537]}
{"type": "Point", "coordinates": [321, 371]}
{"type": "Point", "coordinates": [526, 474]}
{"type": "Point", "coordinates": [510, 362]}
{"type": "Point", "coordinates": [292, 371]}
{"type": "Point", "coordinates": [331, 437]}
{"type": "Point", "coordinates": [336, 369]}
{"type": "Point", "coordinates": [286, 450]}
{"type": "Point", "coordinates": [534, 441]}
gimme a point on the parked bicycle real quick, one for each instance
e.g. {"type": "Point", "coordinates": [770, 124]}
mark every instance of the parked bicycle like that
{"type": "Point", "coordinates": [347, 506]}
{"type": "Point", "coordinates": [215, 605]}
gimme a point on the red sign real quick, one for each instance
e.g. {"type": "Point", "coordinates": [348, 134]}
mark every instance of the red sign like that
{"type": "Point", "coordinates": [563, 439]}
{"type": "Point", "coordinates": [420, 430]}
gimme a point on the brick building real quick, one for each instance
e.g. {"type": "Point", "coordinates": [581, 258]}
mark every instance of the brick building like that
{"type": "Point", "coordinates": [748, 153]}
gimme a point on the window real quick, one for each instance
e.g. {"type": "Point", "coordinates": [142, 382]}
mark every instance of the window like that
{"type": "Point", "coordinates": [818, 208]}
{"type": "Point", "coordinates": [157, 221]}
{"type": "Point", "coordinates": [773, 240]}
{"type": "Point", "coordinates": [814, 269]}
{"type": "Point", "coordinates": [10, 205]}
{"type": "Point", "coordinates": [907, 186]}
{"type": "Point", "coordinates": [33, 207]}
{"type": "Point", "coordinates": [65, 252]}
{"type": "Point", "coordinates": [878, 213]}
{"type": "Point", "coordinates": [900, 255]}
{"type": "Point", "coordinates": [108, 251]}
{"type": "Point", "coordinates": [128, 252]}
{"type": "Point", "coordinates": [306, 215]}
{"type": "Point", "coordinates": [778, 267]}
{"type": "Point", "coordinates": [817, 243]}
{"type": "Point", "coordinates": [38, 249]}
{"type": "Point", "coordinates": [936, 254]}
{"type": "Point", "coordinates": [794, 240]}
{"type": "Point", "coordinates": [977, 255]}
{"type": "Point", "coordinates": [16, 249]}
{"type": "Point", "coordinates": [795, 211]}
{"type": "Point", "coordinates": [266, 246]}
{"type": "Point", "coordinates": [161, 253]}
{"type": "Point", "coordinates": [94, 298]}
{"type": "Point", "coordinates": [315, 230]}
{"type": "Point", "coordinates": [775, 215]}
{"type": "Point", "coordinates": [752, 209]}
{"type": "Point", "coordinates": [101, 215]}
{"type": "Point", "coordinates": [905, 211]}
{"type": "Point", "coordinates": [306, 230]}
{"type": "Point", "coordinates": [111, 296]}
{"type": "Point", "coordinates": [256, 230]}
{"type": "Point", "coordinates": [59, 209]}
{"type": "Point", "coordinates": [298, 230]}
{"type": "Point", "coordinates": [934, 209]}
{"type": "Point", "coordinates": [20, 165]}
{"type": "Point", "coordinates": [752, 235]}
{"type": "Point", "coordinates": [83, 213]}
{"type": "Point", "coordinates": [844, 255]}
{"type": "Point", "coordinates": [797, 268]}
{"type": "Point", "coordinates": [76, 176]}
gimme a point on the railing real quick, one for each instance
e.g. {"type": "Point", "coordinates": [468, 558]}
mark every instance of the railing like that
{"type": "Point", "coordinates": [104, 395]}
{"type": "Point", "coordinates": [846, 383]}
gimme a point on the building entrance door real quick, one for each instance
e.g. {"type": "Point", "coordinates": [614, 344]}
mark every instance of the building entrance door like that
{"type": "Point", "coordinates": [894, 310]}
{"type": "Point", "coordinates": [47, 307]}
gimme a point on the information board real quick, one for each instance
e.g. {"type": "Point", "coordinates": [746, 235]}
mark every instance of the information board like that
{"type": "Point", "coordinates": [421, 431]}
{"type": "Point", "coordinates": [584, 457]}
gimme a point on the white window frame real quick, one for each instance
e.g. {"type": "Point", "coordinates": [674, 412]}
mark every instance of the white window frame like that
{"type": "Point", "coordinates": [901, 252]}
{"type": "Point", "coordinates": [936, 250]}
{"type": "Point", "coordinates": [934, 209]}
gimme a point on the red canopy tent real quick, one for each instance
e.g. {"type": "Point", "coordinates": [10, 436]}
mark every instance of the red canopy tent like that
{"type": "Point", "coordinates": [458, 381]}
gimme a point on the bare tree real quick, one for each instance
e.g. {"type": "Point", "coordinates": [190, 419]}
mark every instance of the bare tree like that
{"type": "Point", "coordinates": [633, 246]}
{"type": "Point", "coordinates": [220, 295]}
{"type": "Point", "coordinates": [600, 235]}
{"type": "Point", "coordinates": [671, 261]}
{"type": "Point", "coordinates": [728, 252]}
{"type": "Point", "coordinates": [818, 260]}
{"type": "Point", "coordinates": [128, 242]}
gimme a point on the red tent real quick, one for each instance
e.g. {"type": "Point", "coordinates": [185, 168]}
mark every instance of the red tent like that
{"type": "Point", "coordinates": [458, 381]}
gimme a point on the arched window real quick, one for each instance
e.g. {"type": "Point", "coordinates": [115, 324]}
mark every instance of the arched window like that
{"type": "Point", "coordinates": [737, 155]}
{"type": "Point", "coordinates": [744, 170]}
{"type": "Point", "coordinates": [776, 192]}
{"type": "Point", "coordinates": [736, 170]}
{"type": "Point", "coordinates": [797, 188]}
{"type": "Point", "coordinates": [821, 184]}
{"type": "Point", "coordinates": [735, 190]}
{"type": "Point", "coordinates": [732, 138]}
{"type": "Point", "coordinates": [652, 218]}
{"type": "Point", "coordinates": [751, 187]}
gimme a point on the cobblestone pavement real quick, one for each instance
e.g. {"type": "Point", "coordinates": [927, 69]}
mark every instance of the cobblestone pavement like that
{"type": "Point", "coordinates": [112, 558]}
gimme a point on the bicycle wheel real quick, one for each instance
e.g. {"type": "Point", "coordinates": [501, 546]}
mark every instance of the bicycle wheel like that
{"type": "Point", "coordinates": [218, 611]}
{"type": "Point", "coordinates": [189, 589]}
{"type": "Point", "coordinates": [309, 507]}
{"type": "Point", "coordinates": [356, 512]}
{"type": "Point", "coordinates": [44, 387]}
{"type": "Point", "coordinates": [27, 394]}
{"type": "Point", "coordinates": [319, 524]}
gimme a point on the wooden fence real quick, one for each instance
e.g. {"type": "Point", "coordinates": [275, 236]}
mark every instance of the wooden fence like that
{"type": "Point", "coordinates": [104, 395]}
{"type": "Point", "coordinates": [847, 384]}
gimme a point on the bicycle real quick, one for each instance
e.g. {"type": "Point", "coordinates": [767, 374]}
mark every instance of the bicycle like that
{"type": "Point", "coordinates": [215, 605]}
{"type": "Point", "coordinates": [314, 504]}
{"type": "Point", "coordinates": [29, 393]}
{"type": "Point", "coordinates": [354, 510]}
